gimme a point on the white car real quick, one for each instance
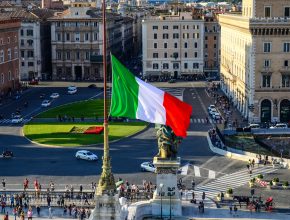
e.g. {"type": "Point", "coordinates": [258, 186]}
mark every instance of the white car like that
{"type": "Point", "coordinates": [254, 126]}
{"type": "Point", "coordinates": [216, 116]}
{"type": "Point", "coordinates": [86, 155]}
{"type": "Point", "coordinates": [279, 125]}
{"type": "Point", "coordinates": [54, 95]}
{"type": "Point", "coordinates": [212, 112]}
{"type": "Point", "coordinates": [45, 103]}
{"type": "Point", "coordinates": [17, 119]}
{"type": "Point", "coordinates": [71, 90]}
{"type": "Point", "coordinates": [211, 107]}
{"type": "Point", "coordinates": [148, 166]}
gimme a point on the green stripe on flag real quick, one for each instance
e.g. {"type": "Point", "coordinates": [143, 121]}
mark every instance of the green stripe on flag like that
{"type": "Point", "coordinates": [124, 101]}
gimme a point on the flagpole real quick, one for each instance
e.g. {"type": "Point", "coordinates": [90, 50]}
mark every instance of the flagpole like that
{"type": "Point", "coordinates": [106, 181]}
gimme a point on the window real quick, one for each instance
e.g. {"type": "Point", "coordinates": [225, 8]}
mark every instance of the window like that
{"type": "Point", "coordinates": [77, 36]}
{"type": "Point", "coordinates": [86, 23]}
{"type": "Point", "coordinates": [175, 27]}
{"type": "Point", "coordinates": [185, 45]}
{"type": "Point", "coordinates": [58, 37]}
{"type": "Point", "coordinates": [9, 76]}
{"type": "Point", "coordinates": [87, 55]}
{"type": "Point", "coordinates": [185, 65]}
{"type": "Point", "coordinates": [165, 36]}
{"type": "Point", "coordinates": [195, 54]}
{"type": "Point", "coordinates": [29, 32]}
{"type": "Point", "coordinates": [58, 24]}
{"type": "Point", "coordinates": [267, 47]}
{"type": "Point", "coordinates": [78, 55]}
{"type": "Point", "coordinates": [205, 38]}
{"type": "Point", "coordinates": [58, 55]}
{"type": "Point", "coordinates": [67, 36]}
{"type": "Point", "coordinates": [175, 65]}
{"type": "Point", "coordinates": [175, 36]}
{"type": "Point", "coordinates": [155, 55]}
{"type": "Point", "coordinates": [68, 55]}
{"type": "Point", "coordinates": [267, 63]}
{"type": "Point", "coordinates": [165, 45]}
{"type": "Point", "coordinates": [267, 11]}
{"type": "Point", "coordinates": [21, 32]}
{"type": "Point", "coordinates": [197, 35]}
{"type": "Point", "coordinates": [30, 63]}
{"type": "Point", "coordinates": [214, 37]}
{"type": "Point", "coordinates": [286, 63]}
{"type": "Point", "coordinates": [197, 26]}
{"type": "Point", "coordinates": [155, 45]}
{"type": "Point", "coordinates": [205, 29]}
{"type": "Point", "coordinates": [2, 78]}
{"type": "Point", "coordinates": [15, 52]}
{"type": "Point", "coordinates": [96, 36]}
{"type": "Point", "coordinates": [165, 27]}
{"type": "Point", "coordinates": [30, 53]}
{"type": "Point", "coordinates": [86, 36]}
{"type": "Point", "coordinates": [165, 66]}
{"type": "Point", "coordinates": [195, 45]}
{"type": "Point", "coordinates": [8, 40]}
{"type": "Point", "coordinates": [286, 47]}
{"type": "Point", "coordinates": [185, 54]}
{"type": "Point", "coordinates": [266, 81]}
{"type": "Point", "coordinates": [22, 53]}
{"type": "Point", "coordinates": [175, 55]}
{"type": "Point", "coordinates": [285, 81]}
{"type": "Point", "coordinates": [155, 36]}
{"type": "Point", "coordinates": [22, 43]}
{"type": "Point", "coordinates": [175, 45]}
{"type": "Point", "coordinates": [155, 27]}
{"type": "Point", "coordinates": [22, 63]}
{"type": "Point", "coordinates": [286, 11]}
{"type": "Point", "coordinates": [155, 66]}
{"type": "Point", "coordinates": [1, 56]}
{"type": "Point", "coordinates": [30, 43]}
{"type": "Point", "coordinates": [165, 55]}
{"type": "Point", "coordinates": [214, 46]}
{"type": "Point", "coordinates": [9, 54]}
{"type": "Point", "coordinates": [195, 65]}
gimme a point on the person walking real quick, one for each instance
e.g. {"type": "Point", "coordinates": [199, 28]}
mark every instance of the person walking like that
{"type": "Point", "coordinates": [29, 214]}
{"type": "Point", "coordinates": [38, 210]}
{"type": "Point", "coordinates": [203, 196]}
{"type": "Point", "coordinates": [4, 183]}
{"type": "Point", "coordinates": [81, 188]}
{"type": "Point", "coordinates": [50, 212]}
{"type": "Point", "coordinates": [235, 210]}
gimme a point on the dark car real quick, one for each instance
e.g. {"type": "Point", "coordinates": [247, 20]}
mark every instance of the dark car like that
{"type": "Point", "coordinates": [172, 81]}
{"type": "Point", "coordinates": [92, 86]}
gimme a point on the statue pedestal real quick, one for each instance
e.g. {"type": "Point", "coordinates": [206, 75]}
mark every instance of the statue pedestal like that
{"type": "Point", "coordinates": [166, 198]}
{"type": "Point", "coordinates": [107, 207]}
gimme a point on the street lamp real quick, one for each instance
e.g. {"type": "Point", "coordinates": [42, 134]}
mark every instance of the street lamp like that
{"type": "Point", "coordinates": [161, 194]}
{"type": "Point", "coordinates": [170, 194]}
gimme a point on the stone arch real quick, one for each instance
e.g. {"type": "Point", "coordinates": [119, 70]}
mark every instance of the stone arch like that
{"type": "Point", "coordinates": [266, 110]}
{"type": "Point", "coordinates": [285, 110]}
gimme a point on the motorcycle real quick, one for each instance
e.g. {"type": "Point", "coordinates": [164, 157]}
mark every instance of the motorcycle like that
{"type": "Point", "coordinates": [7, 154]}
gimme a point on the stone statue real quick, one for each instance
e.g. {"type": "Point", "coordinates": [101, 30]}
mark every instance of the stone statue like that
{"type": "Point", "coordinates": [167, 143]}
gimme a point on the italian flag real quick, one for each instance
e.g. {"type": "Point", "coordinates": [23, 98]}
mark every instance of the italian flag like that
{"type": "Point", "coordinates": [135, 99]}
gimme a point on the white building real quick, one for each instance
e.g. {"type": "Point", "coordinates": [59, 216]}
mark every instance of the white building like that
{"type": "Point", "coordinates": [173, 45]}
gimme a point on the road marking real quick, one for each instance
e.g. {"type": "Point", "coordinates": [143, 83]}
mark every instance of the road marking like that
{"type": "Point", "coordinates": [198, 120]}
{"type": "Point", "coordinates": [191, 120]}
{"type": "Point", "coordinates": [94, 96]}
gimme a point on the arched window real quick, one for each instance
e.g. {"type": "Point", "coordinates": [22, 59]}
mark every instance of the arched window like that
{"type": "Point", "coordinates": [285, 110]}
{"type": "Point", "coordinates": [266, 108]}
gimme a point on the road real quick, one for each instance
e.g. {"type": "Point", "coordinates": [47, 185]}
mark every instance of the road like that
{"type": "Point", "coordinates": [60, 166]}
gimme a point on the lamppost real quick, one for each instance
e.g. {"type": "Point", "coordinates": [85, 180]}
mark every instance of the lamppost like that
{"type": "Point", "coordinates": [161, 194]}
{"type": "Point", "coordinates": [170, 194]}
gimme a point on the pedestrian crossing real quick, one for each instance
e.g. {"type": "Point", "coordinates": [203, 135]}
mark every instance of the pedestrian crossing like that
{"type": "Point", "coordinates": [9, 121]}
{"type": "Point", "coordinates": [201, 121]}
{"type": "Point", "coordinates": [233, 180]}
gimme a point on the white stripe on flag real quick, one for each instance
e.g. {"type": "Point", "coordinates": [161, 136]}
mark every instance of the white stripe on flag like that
{"type": "Point", "coordinates": [184, 170]}
{"type": "Point", "coordinates": [211, 174]}
{"type": "Point", "coordinates": [196, 171]}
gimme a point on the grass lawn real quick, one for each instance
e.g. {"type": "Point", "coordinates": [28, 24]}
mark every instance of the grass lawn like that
{"type": "Point", "coordinates": [58, 133]}
{"type": "Point", "coordinates": [88, 109]}
{"type": "Point", "coordinates": [246, 143]}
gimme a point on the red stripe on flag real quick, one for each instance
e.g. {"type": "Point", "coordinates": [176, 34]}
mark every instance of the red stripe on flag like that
{"type": "Point", "coordinates": [177, 114]}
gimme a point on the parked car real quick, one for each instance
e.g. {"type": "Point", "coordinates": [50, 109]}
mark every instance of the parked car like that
{"type": "Point", "coordinates": [279, 125]}
{"type": "Point", "coordinates": [211, 107]}
{"type": "Point", "coordinates": [254, 126]}
{"type": "Point", "coordinates": [216, 116]}
{"type": "Point", "coordinates": [71, 90]}
{"type": "Point", "coordinates": [42, 95]}
{"type": "Point", "coordinates": [212, 112]}
{"type": "Point", "coordinates": [17, 119]}
{"type": "Point", "coordinates": [45, 103]}
{"type": "Point", "coordinates": [91, 86]}
{"type": "Point", "coordinates": [54, 95]}
{"type": "Point", "coordinates": [148, 166]}
{"type": "Point", "coordinates": [86, 155]}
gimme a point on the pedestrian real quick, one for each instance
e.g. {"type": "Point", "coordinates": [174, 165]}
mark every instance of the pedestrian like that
{"type": "Point", "coordinates": [22, 215]}
{"type": "Point", "coordinates": [11, 201]}
{"type": "Point", "coordinates": [253, 163]}
{"type": "Point", "coordinates": [3, 206]}
{"type": "Point", "coordinates": [81, 188]}
{"type": "Point", "coordinates": [235, 210]}
{"type": "Point", "coordinates": [38, 210]}
{"type": "Point", "coordinates": [6, 217]}
{"type": "Point", "coordinates": [192, 184]}
{"type": "Point", "coordinates": [248, 166]}
{"type": "Point", "coordinates": [203, 196]}
{"type": "Point", "coordinates": [50, 212]}
{"type": "Point", "coordinates": [231, 208]}
{"type": "Point", "coordinates": [29, 214]}
{"type": "Point", "coordinates": [3, 183]}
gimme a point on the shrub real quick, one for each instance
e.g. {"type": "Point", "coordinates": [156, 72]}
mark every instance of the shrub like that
{"type": "Point", "coordinates": [286, 183]}
{"type": "Point", "coordinates": [260, 176]}
{"type": "Point", "coordinates": [253, 180]}
{"type": "Point", "coordinates": [229, 191]}
{"type": "Point", "coordinates": [276, 179]}
{"type": "Point", "coordinates": [271, 183]}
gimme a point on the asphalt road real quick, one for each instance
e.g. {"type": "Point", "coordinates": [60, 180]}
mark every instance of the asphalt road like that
{"type": "Point", "coordinates": [60, 166]}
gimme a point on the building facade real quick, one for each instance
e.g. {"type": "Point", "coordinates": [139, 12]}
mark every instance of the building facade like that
{"type": "Point", "coordinates": [9, 55]}
{"type": "Point", "coordinates": [77, 42]}
{"type": "Point", "coordinates": [255, 56]}
{"type": "Point", "coordinates": [173, 45]}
